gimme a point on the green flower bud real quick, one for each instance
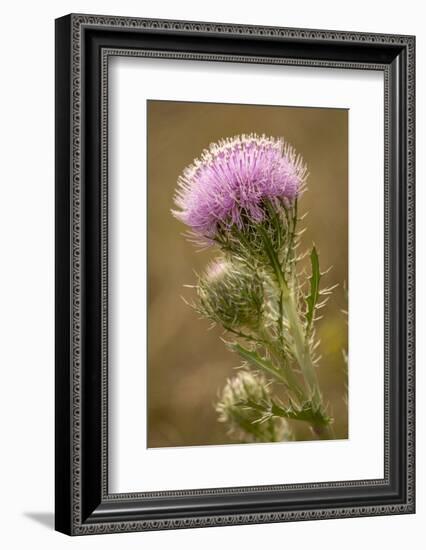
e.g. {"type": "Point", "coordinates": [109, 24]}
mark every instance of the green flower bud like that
{"type": "Point", "coordinates": [241, 399]}
{"type": "Point", "coordinates": [231, 295]}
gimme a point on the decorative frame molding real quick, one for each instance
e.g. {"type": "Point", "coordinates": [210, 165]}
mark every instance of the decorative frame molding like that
{"type": "Point", "coordinates": [84, 44]}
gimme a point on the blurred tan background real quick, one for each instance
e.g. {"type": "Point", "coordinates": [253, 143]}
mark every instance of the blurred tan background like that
{"type": "Point", "coordinates": [188, 363]}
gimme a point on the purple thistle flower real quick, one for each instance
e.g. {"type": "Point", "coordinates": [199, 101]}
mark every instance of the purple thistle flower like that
{"type": "Point", "coordinates": [233, 178]}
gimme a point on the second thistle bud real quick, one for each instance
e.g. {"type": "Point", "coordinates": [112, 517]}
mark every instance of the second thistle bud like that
{"type": "Point", "coordinates": [243, 396]}
{"type": "Point", "coordinates": [231, 295]}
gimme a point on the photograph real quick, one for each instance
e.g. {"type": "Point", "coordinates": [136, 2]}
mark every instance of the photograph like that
{"type": "Point", "coordinates": [247, 286]}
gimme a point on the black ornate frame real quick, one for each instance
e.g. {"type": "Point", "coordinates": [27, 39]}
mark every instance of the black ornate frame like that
{"type": "Point", "coordinates": [83, 45]}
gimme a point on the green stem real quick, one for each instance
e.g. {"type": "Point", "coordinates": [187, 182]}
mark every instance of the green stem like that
{"type": "Point", "coordinates": [302, 351]}
{"type": "Point", "coordinates": [304, 359]}
{"type": "Point", "coordinates": [276, 357]}
{"type": "Point", "coordinates": [301, 344]}
{"type": "Point", "coordinates": [290, 248]}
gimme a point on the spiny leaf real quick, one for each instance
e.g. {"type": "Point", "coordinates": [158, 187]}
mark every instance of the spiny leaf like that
{"type": "Point", "coordinates": [307, 412]}
{"type": "Point", "coordinates": [257, 361]}
{"type": "Point", "coordinates": [312, 298]}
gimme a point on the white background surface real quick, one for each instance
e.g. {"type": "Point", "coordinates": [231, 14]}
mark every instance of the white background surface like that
{"type": "Point", "coordinates": [26, 307]}
{"type": "Point", "coordinates": [132, 81]}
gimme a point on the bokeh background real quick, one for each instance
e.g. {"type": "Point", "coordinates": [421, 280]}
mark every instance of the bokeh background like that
{"type": "Point", "coordinates": [187, 361]}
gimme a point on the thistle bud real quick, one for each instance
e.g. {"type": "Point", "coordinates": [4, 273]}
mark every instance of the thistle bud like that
{"type": "Point", "coordinates": [231, 295]}
{"type": "Point", "coordinates": [242, 398]}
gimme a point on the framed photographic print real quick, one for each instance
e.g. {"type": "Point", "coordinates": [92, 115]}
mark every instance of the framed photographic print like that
{"type": "Point", "coordinates": [234, 274]}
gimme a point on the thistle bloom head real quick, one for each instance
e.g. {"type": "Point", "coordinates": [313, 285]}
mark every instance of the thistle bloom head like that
{"type": "Point", "coordinates": [231, 295]}
{"type": "Point", "coordinates": [233, 178]}
{"type": "Point", "coordinates": [233, 407]}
